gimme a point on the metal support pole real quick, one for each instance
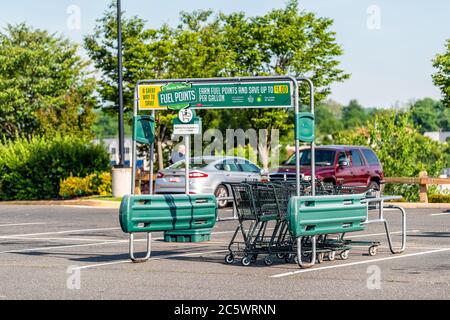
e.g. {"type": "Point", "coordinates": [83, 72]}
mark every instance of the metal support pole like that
{"type": "Point", "coordinates": [187, 141]}
{"type": "Point", "coordinates": [134, 145]}
{"type": "Point", "coordinates": [313, 144]}
{"type": "Point", "coordinates": [297, 142]}
{"type": "Point", "coordinates": [120, 86]}
{"type": "Point", "coordinates": [152, 157]}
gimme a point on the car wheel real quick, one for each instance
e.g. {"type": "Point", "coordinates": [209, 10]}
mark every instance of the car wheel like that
{"type": "Point", "coordinates": [222, 192]}
{"type": "Point", "coordinates": [375, 187]}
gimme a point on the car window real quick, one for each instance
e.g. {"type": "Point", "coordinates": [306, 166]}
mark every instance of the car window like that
{"type": "Point", "coordinates": [342, 157]}
{"type": "Point", "coordinates": [370, 157]}
{"type": "Point", "coordinates": [249, 167]}
{"type": "Point", "coordinates": [230, 166]}
{"type": "Point", "coordinates": [324, 158]}
{"type": "Point", "coordinates": [193, 164]}
{"type": "Point", "coordinates": [356, 158]}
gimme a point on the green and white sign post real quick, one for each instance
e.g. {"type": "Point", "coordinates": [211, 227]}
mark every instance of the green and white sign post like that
{"type": "Point", "coordinates": [187, 124]}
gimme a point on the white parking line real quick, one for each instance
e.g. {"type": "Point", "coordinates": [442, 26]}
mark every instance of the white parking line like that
{"type": "Point", "coordinates": [59, 239]}
{"type": "Point", "coordinates": [89, 207]}
{"type": "Point", "coordinates": [359, 262]}
{"type": "Point", "coordinates": [440, 214]}
{"type": "Point", "coordinates": [22, 224]}
{"type": "Point", "coordinates": [151, 259]}
{"type": "Point", "coordinates": [61, 247]}
{"type": "Point", "coordinates": [59, 232]}
{"type": "Point", "coordinates": [379, 234]}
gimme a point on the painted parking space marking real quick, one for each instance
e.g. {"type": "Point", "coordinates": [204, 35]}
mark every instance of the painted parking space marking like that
{"type": "Point", "coordinates": [59, 232]}
{"type": "Point", "coordinates": [60, 247]}
{"type": "Point", "coordinates": [440, 214]}
{"type": "Point", "coordinates": [89, 207]}
{"type": "Point", "coordinates": [152, 259]}
{"type": "Point", "coordinates": [359, 263]}
{"type": "Point", "coordinates": [60, 239]}
{"type": "Point", "coordinates": [22, 224]}
{"type": "Point", "coordinates": [379, 234]}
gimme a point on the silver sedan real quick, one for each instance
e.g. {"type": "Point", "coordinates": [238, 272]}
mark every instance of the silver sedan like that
{"type": "Point", "coordinates": [207, 176]}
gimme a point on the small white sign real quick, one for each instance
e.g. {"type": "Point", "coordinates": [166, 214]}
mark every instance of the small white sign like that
{"type": "Point", "coordinates": [186, 115]}
{"type": "Point", "coordinates": [184, 129]}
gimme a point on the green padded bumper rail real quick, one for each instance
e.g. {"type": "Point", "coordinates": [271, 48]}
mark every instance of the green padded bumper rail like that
{"type": "Point", "coordinates": [158, 213]}
{"type": "Point", "coordinates": [319, 215]}
{"type": "Point", "coordinates": [196, 214]}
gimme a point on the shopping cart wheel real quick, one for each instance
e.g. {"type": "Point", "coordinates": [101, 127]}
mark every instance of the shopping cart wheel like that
{"type": "Point", "coordinates": [331, 256]}
{"type": "Point", "coordinates": [268, 261]}
{"type": "Point", "coordinates": [373, 250]}
{"type": "Point", "coordinates": [254, 258]}
{"type": "Point", "coordinates": [281, 256]}
{"type": "Point", "coordinates": [246, 261]}
{"type": "Point", "coordinates": [344, 254]}
{"type": "Point", "coordinates": [229, 259]}
{"type": "Point", "coordinates": [320, 256]}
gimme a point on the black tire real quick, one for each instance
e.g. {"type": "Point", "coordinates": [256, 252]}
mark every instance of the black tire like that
{"type": "Point", "coordinates": [222, 191]}
{"type": "Point", "coordinates": [246, 261]}
{"type": "Point", "coordinates": [373, 250]}
{"type": "Point", "coordinates": [344, 254]}
{"type": "Point", "coordinates": [331, 256]}
{"type": "Point", "coordinates": [229, 259]}
{"type": "Point", "coordinates": [375, 187]}
{"type": "Point", "coordinates": [268, 261]}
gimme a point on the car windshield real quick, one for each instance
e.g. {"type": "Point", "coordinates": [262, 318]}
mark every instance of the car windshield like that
{"type": "Point", "coordinates": [324, 158]}
{"type": "Point", "coordinates": [194, 164]}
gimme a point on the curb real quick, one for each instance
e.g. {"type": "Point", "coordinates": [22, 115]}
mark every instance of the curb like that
{"type": "Point", "coordinates": [84, 203]}
{"type": "Point", "coordinates": [418, 205]}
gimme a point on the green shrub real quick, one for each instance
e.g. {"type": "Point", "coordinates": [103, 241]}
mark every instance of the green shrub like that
{"type": "Point", "coordinates": [74, 187]}
{"type": "Point", "coordinates": [94, 184]}
{"type": "Point", "coordinates": [33, 169]}
{"type": "Point", "coordinates": [439, 198]}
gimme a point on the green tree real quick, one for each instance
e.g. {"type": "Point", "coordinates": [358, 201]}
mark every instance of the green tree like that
{"type": "Point", "coordinates": [203, 45]}
{"type": "Point", "coordinates": [402, 150]}
{"type": "Point", "coordinates": [354, 115]}
{"type": "Point", "coordinates": [282, 42]}
{"type": "Point", "coordinates": [442, 77]}
{"type": "Point", "coordinates": [430, 115]}
{"type": "Point", "coordinates": [192, 49]}
{"type": "Point", "coordinates": [326, 121]}
{"type": "Point", "coordinates": [44, 85]}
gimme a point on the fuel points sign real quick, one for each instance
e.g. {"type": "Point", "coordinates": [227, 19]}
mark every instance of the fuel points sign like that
{"type": "Point", "coordinates": [177, 96]}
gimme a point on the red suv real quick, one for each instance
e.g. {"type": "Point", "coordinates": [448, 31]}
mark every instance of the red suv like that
{"type": "Point", "coordinates": [340, 165]}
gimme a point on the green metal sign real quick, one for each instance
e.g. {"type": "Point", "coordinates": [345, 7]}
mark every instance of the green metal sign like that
{"type": "Point", "coordinates": [236, 95]}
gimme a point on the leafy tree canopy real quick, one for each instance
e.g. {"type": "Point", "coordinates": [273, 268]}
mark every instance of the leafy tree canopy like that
{"type": "Point", "coordinates": [284, 41]}
{"type": "Point", "coordinates": [44, 84]}
{"type": "Point", "coordinates": [442, 77]}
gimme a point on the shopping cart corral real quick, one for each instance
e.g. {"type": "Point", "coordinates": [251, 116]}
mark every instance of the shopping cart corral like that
{"type": "Point", "coordinates": [301, 220]}
{"type": "Point", "coordinates": [277, 224]}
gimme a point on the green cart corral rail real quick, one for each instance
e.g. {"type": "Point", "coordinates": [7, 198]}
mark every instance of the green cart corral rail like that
{"type": "Point", "coordinates": [310, 216]}
{"type": "Point", "coordinates": [314, 216]}
{"type": "Point", "coordinates": [161, 213]}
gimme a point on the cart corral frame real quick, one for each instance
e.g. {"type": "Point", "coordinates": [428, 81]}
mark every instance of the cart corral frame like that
{"type": "Point", "coordinates": [295, 104]}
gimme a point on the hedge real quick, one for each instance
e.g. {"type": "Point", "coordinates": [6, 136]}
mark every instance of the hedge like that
{"type": "Point", "coordinates": [32, 169]}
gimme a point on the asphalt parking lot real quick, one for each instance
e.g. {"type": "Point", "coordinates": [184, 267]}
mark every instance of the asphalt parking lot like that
{"type": "Point", "coordinates": [43, 249]}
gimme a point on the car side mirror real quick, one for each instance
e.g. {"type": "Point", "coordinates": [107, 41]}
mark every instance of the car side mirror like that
{"type": "Point", "coordinates": [344, 163]}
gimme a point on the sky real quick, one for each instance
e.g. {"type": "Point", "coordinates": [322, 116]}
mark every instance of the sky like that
{"type": "Point", "coordinates": [388, 44]}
